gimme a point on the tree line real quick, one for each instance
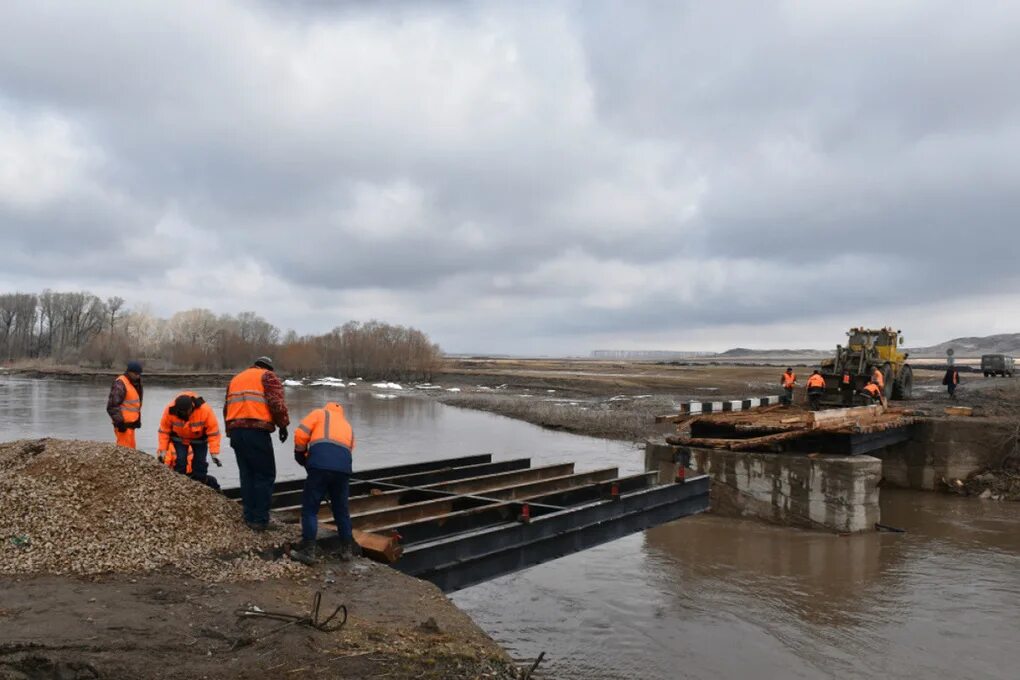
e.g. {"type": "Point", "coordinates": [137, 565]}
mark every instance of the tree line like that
{"type": "Point", "coordinates": [82, 328]}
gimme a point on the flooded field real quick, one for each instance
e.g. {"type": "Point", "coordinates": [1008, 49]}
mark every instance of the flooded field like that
{"type": "Point", "coordinates": [703, 597]}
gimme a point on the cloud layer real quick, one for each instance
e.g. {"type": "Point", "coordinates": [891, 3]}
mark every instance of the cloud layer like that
{"type": "Point", "coordinates": [522, 178]}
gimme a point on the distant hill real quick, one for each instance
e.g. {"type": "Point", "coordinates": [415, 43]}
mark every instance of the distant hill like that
{"type": "Point", "coordinates": [1004, 343]}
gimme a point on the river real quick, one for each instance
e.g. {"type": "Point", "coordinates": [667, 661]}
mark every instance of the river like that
{"type": "Point", "coordinates": [703, 597]}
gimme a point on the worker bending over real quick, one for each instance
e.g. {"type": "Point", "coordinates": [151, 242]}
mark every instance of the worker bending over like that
{"type": "Point", "coordinates": [815, 390]}
{"type": "Point", "coordinates": [188, 431]}
{"type": "Point", "coordinates": [253, 409]}
{"type": "Point", "coordinates": [323, 443]}
{"type": "Point", "coordinates": [873, 392]}
{"type": "Point", "coordinates": [124, 405]}
{"type": "Point", "coordinates": [788, 380]}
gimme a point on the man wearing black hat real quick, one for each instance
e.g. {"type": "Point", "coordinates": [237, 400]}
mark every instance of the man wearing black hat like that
{"type": "Point", "coordinates": [124, 405]}
{"type": "Point", "coordinates": [188, 431]}
{"type": "Point", "coordinates": [253, 409]}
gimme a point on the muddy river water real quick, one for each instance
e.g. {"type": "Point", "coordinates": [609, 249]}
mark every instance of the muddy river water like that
{"type": "Point", "coordinates": [703, 597]}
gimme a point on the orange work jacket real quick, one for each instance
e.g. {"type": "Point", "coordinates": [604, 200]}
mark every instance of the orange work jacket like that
{"type": "Point", "coordinates": [877, 376]}
{"type": "Point", "coordinates": [873, 390]}
{"type": "Point", "coordinates": [246, 398]}
{"type": "Point", "coordinates": [789, 380]}
{"type": "Point", "coordinates": [815, 380]}
{"type": "Point", "coordinates": [131, 407]}
{"type": "Point", "coordinates": [202, 425]}
{"type": "Point", "coordinates": [326, 439]}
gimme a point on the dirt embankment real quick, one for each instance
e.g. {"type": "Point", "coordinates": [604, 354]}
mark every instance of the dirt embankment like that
{"type": "Point", "coordinates": [620, 399]}
{"type": "Point", "coordinates": [112, 566]}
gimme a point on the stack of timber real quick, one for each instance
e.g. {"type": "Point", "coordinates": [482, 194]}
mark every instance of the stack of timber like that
{"type": "Point", "coordinates": [845, 430]}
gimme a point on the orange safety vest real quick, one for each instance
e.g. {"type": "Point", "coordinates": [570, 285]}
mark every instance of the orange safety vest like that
{"type": "Point", "coordinates": [246, 398]}
{"type": "Point", "coordinates": [877, 376]}
{"type": "Point", "coordinates": [846, 379]}
{"type": "Point", "coordinates": [326, 439]}
{"type": "Point", "coordinates": [789, 379]}
{"type": "Point", "coordinates": [815, 380]}
{"type": "Point", "coordinates": [873, 389]}
{"type": "Point", "coordinates": [131, 407]}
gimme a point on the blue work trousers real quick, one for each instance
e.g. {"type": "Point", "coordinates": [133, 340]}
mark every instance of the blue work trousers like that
{"type": "Point", "coordinates": [199, 462]}
{"type": "Point", "coordinates": [256, 464]}
{"type": "Point", "coordinates": [318, 484]}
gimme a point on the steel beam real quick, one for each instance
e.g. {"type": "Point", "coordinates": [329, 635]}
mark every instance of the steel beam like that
{"type": "Point", "coordinates": [430, 528]}
{"type": "Point", "coordinates": [472, 485]}
{"type": "Point", "coordinates": [500, 480]}
{"type": "Point", "coordinates": [451, 473]}
{"type": "Point", "coordinates": [459, 561]}
{"type": "Point", "coordinates": [378, 473]}
{"type": "Point", "coordinates": [413, 512]}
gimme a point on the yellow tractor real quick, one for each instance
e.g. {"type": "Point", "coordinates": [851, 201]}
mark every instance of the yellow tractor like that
{"type": "Point", "coordinates": [867, 348]}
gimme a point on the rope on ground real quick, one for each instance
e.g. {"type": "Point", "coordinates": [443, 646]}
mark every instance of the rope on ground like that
{"type": "Point", "coordinates": [311, 620]}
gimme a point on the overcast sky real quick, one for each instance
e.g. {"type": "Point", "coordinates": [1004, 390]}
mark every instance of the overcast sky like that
{"type": "Point", "coordinates": [535, 178]}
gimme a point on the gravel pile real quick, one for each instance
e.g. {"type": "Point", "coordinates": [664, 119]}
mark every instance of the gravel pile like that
{"type": "Point", "coordinates": [79, 507]}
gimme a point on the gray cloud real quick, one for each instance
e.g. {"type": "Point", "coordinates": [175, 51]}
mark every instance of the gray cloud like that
{"type": "Point", "coordinates": [570, 174]}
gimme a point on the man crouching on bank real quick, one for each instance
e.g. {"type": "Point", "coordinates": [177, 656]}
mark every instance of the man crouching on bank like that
{"type": "Point", "coordinates": [323, 444]}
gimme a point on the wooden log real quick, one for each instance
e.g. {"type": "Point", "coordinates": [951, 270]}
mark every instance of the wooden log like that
{"type": "Point", "coordinates": [959, 411]}
{"type": "Point", "coordinates": [854, 414]}
{"type": "Point", "coordinates": [380, 548]}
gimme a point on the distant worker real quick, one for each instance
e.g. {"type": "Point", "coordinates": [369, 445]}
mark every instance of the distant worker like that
{"type": "Point", "coordinates": [188, 431]}
{"type": "Point", "coordinates": [815, 390]}
{"type": "Point", "coordinates": [788, 381]}
{"type": "Point", "coordinates": [873, 392]}
{"type": "Point", "coordinates": [253, 409]}
{"type": "Point", "coordinates": [846, 387]}
{"type": "Point", "coordinates": [323, 444]}
{"type": "Point", "coordinates": [125, 404]}
{"type": "Point", "coordinates": [951, 380]}
{"type": "Point", "coordinates": [878, 377]}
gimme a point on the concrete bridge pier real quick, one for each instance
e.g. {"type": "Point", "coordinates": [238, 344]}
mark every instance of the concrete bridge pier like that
{"type": "Point", "coordinates": [816, 491]}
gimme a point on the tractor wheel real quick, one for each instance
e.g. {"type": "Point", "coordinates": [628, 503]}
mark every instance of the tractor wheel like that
{"type": "Point", "coordinates": [903, 388]}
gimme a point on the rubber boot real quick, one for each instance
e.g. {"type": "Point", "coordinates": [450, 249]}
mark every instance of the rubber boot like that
{"type": "Point", "coordinates": [348, 551]}
{"type": "Point", "coordinates": [306, 553]}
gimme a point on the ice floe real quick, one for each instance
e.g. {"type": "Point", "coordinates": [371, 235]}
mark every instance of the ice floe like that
{"type": "Point", "coordinates": [388, 386]}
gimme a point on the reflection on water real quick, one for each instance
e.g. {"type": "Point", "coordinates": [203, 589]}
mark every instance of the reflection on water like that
{"type": "Point", "coordinates": [702, 597]}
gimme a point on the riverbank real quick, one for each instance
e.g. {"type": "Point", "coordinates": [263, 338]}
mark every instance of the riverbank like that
{"type": "Point", "coordinates": [113, 566]}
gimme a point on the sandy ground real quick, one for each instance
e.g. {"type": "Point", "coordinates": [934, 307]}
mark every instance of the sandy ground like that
{"type": "Point", "coordinates": [170, 626]}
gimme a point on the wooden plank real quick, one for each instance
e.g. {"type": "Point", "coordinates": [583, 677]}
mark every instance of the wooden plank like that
{"type": "Point", "coordinates": [847, 415]}
{"type": "Point", "coordinates": [384, 549]}
{"type": "Point", "coordinates": [959, 411]}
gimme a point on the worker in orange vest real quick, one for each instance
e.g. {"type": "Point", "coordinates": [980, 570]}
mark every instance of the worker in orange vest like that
{"type": "Point", "coordinates": [254, 407]}
{"type": "Point", "coordinates": [815, 390]}
{"type": "Point", "coordinates": [878, 377]}
{"type": "Point", "coordinates": [873, 392]}
{"type": "Point", "coordinates": [846, 387]}
{"type": "Point", "coordinates": [788, 380]}
{"type": "Point", "coordinates": [124, 404]}
{"type": "Point", "coordinates": [188, 431]}
{"type": "Point", "coordinates": [323, 444]}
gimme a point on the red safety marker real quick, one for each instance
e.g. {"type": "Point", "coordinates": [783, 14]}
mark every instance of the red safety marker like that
{"type": "Point", "coordinates": [681, 474]}
{"type": "Point", "coordinates": [525, 516]}
{"type": "Point", "coordinates": [614, 491]}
